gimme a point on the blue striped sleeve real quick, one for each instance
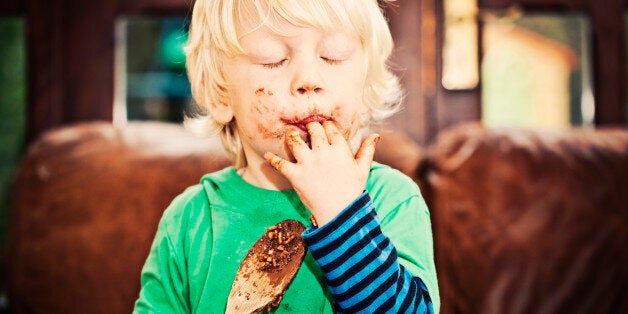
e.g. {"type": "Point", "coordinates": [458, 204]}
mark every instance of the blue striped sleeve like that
{"type": "Point", "coordinates": [361, 264]}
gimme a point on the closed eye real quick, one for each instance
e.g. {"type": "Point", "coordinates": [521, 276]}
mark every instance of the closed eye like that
{"type": "Point", "coordinates": [274, 64]}
{"type": "Point", "coordinates": [332, 61]}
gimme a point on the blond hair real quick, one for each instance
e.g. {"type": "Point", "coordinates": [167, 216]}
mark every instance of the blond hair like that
{"type": "Point", "coordinates": [217, 25]}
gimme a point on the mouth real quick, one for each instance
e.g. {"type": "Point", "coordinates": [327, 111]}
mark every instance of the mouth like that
{"type": "Point", "coordinates": [301, 123]}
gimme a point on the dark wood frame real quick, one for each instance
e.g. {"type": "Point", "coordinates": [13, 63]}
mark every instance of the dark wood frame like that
{"type": "Point", "coordinates": [606, 18]}
{"type": "Point", "coordinates": [70, 45]}
{"type": "Point", "coordinates": [71, 57]}
{"type": "Point", "coordinates": [429, 108]}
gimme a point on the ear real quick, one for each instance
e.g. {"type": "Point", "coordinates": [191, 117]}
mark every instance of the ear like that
{"type": "Point", "coordinates": [221, 112]}
{"type": "Point", "coordinates": [218, 108]}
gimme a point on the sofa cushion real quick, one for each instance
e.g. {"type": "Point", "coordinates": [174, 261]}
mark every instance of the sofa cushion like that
{"type": "Point", "coordinates": [530, 221]}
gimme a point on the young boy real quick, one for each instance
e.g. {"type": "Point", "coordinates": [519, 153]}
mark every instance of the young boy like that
{"type": "Point", "coordinates": [291, 86]}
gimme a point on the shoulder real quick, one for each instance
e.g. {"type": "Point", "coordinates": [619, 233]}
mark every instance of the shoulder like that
{"type": "Point", "coordinates": [387, 179]}
{"type": "Point", "coordinates": [184, 207]}
{"type": "Point", "coordinates": [389, 188]}
{"type": "Point", "coordinates": [191, 208]}
{"type": "Point", "coordinates": [191, 196]}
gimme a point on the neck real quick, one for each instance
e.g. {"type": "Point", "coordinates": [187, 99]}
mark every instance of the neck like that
{"type": "Point", "coordinates": [263, 175]}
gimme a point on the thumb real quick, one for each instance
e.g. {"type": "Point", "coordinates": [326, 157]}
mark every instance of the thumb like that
{"type": "Point", "coordinates": [365, 153]}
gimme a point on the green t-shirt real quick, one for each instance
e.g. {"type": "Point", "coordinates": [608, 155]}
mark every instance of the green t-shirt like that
{"type": "Point", "coordinates": [208, 229]}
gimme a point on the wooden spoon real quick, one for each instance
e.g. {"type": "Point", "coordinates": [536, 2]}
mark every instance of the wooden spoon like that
{"type": "Point", "coordinates": [268, 269]}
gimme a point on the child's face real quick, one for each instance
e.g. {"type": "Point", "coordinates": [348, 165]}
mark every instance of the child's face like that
{"type": "Point", "coordinates": [284, 82]}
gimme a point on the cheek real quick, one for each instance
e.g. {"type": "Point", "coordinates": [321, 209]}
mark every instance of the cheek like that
{"type": "Point", "coordinates": [266, 116]}
{"type": "Point", "coordinates": [347, 120]}
{"type": "Point", "coordinates": [267, 132]}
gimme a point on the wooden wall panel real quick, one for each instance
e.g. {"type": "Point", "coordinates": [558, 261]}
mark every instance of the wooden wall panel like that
{"type": "Point", "coordinates": [70, 62]}
{"type": "Point", "coordinates": [71, 53]}
{"type": "Point", "coordinates": [44, 66]}
{"type": "Point", "coordinates": [405, 24]}
{"type": "Point", "coordinates": [155, 6]}
{"type": "Point", "coordinates": [609, 61]}
{"type": "Point", "coordinates": [11, 7]}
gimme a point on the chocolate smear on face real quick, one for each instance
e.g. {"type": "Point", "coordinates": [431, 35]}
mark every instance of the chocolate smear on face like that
{"type": "Point", "coordinates": [262, 91]}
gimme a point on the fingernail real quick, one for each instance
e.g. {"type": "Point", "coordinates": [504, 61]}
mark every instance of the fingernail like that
{"type": "Point", "coordinates": [377, 138]}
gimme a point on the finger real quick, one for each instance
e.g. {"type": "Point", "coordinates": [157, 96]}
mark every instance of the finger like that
{"type": "Point", "coordinates": [295, 144]}
{"type": "Point", "coordinates": [333, 134]}
{"type": "Point", "coordinates": [318, 138]}
{"type": "Point", "coordinates": [364, 156]}
{"type": "Point", "coordinates": [280, 164]}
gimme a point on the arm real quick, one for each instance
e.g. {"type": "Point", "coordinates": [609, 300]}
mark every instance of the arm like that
{"type": "Point", "coordinates": [328, 178]}
{"type": "Point", "coordinates": [362, 266]}
{"type": "Point", "coordinates": [163, 276]}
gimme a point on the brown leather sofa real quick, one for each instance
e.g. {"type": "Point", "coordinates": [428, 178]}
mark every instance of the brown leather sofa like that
{"type": "Point", "coordinates": [530, 222]}
{"type": "Point", "coordinates": [524, 222]}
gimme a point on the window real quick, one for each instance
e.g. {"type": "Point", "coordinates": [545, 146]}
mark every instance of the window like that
{"type": "Point", "coordinates": [151, 81]}
{"type": "Point", "coordinates": [536, 70]}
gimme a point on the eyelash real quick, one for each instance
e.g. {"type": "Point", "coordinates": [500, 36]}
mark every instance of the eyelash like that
{"type": "Point", "coordinates": [280, 63]}
{"type": "Point", "coordinates": [274, 64]}
{"type": "Point", "coordinates": [332, 61]}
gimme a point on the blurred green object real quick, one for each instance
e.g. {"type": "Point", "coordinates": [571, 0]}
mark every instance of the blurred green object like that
{"type": "Point", "coordinates": [12, 108]}
{"type": "Point", "coordinates": [12, 122]}
{"type": "Point", "coordinates": [172, 45]}
{"type": "Point", "coordinates": [157, 87]}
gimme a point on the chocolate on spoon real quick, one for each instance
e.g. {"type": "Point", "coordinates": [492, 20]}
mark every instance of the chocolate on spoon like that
{"type": "Point", "coordinates": [267, 269]}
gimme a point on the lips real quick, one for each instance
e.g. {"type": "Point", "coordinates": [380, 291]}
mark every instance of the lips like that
{"type": "Point", "coordinates": [314, 118]}
{"type": "Point", "coordinates": [302, 123]}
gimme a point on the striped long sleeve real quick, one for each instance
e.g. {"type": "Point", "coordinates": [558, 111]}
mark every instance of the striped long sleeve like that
{"type": "Point", "coordinates": [361, 264]}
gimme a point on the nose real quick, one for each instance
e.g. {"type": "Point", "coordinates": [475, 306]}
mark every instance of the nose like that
{"type": "Point", "coordinates": [306, 80]}
{"type": "Point", "coordinates": [308, 88]}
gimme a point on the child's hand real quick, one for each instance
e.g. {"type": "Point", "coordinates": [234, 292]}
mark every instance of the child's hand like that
{"type": "Point", "coordinates": [326, 177]}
